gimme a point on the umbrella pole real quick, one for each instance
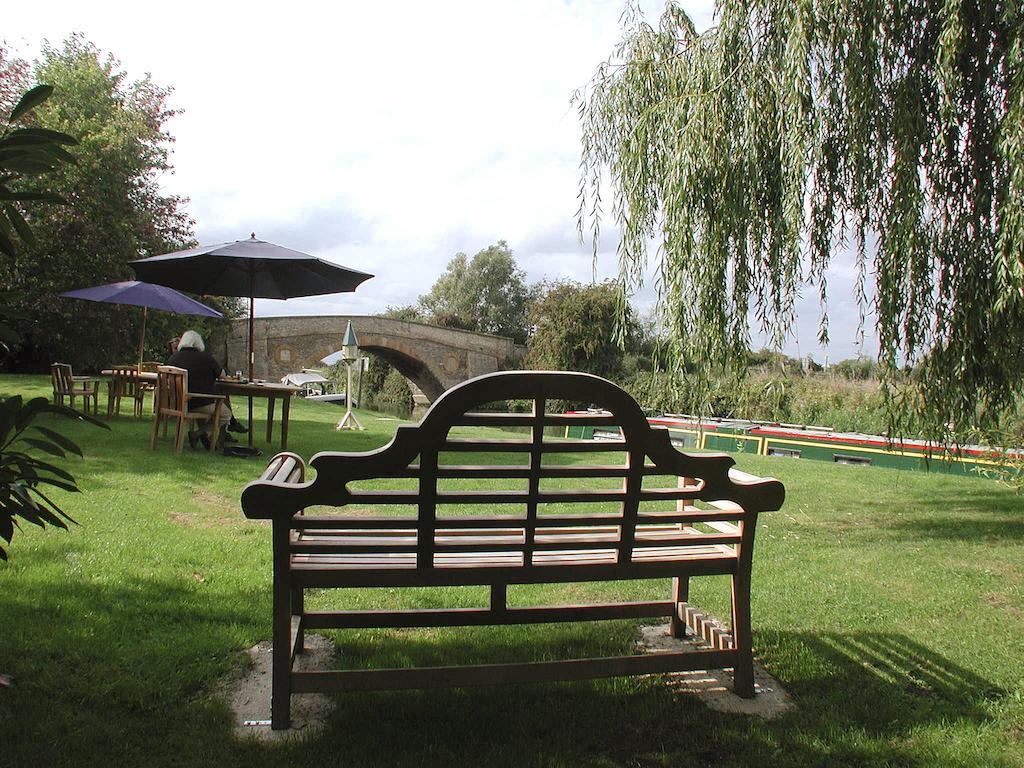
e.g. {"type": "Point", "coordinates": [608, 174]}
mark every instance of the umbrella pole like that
{"type": "Point", "coordinates": [142, 336]}
{"type": "Point", "coordinates": [252, 354]}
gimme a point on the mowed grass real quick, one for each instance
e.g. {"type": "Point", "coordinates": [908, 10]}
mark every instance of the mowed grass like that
{"type": "Point", "coordinates": [889, 605]}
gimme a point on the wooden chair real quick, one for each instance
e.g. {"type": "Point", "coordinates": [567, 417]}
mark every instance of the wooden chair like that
{"type": "Point", "coordinates": [124, 383]}
{"type": "Point", "coordinates": [66, 384]}
{"type": "Point", "coordinates": [172, 397]}
{"type": "Point", "coordinates": [148, 386]}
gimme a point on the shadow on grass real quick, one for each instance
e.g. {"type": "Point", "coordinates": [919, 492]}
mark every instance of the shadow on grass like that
{"type": "Point", "coordinates": [859, 697]}
{"type": "Point", "coordinates": [129, 671]}
{"type": "Point", "coordinates": [1002, 527]}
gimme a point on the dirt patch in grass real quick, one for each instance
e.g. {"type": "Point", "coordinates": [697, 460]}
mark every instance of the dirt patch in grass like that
{"type": "Point", "coordinates": [249, 694]}
{"type": "Point", "coordinates": [214, 511]}
{"type": "Point", "coordinates": [1003, 602]}
{"type": "Point", "coordinates": [714, 687]}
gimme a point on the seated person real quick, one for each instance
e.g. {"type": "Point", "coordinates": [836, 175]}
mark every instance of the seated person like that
{"type": "Point", "coordinates": [203, 372]}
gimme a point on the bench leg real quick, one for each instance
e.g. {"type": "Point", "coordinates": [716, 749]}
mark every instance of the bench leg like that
{"type": "Point", "coordinates": [743, 671]}
{"type": "Point", "coordinates": [680, 594]}
{"type": "Point", "coordinates": [298, 606]}
{"type": "Point", "coordinates": [281, 681]}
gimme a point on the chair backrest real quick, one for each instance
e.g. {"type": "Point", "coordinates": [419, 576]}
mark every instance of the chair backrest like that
{"type": "Point", "coordinates": [60, 376]}
{"type": "Point", "coordinates": [124, 380]}
{"type": "Point", "coordinates": [149, 366]}
{"type": "Point", "coordinates": [172, 384]}
{"type": "Point", "coordinates": [530, 494]}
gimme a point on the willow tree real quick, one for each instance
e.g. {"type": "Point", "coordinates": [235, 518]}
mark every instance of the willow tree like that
{"type": "Point", "coordinates": [742, 159]}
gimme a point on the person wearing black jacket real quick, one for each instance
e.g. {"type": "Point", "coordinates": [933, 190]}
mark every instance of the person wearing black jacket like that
{"type": "Point", "coordinates": [203, 372]}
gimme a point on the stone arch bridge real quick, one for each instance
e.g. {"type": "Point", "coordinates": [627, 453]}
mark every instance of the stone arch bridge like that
{"type": "Point", "coordinates": [430, 357]}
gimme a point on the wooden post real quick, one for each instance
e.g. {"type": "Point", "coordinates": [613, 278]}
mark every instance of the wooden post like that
{"type": "Point", "coordinates": [743, 671]}
{"type": "Point", "coordinates": [280, 698]}
{"type": "Point", "coordinates": [680, 595]}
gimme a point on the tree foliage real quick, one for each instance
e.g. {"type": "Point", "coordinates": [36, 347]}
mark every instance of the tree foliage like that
{"type": "Point", "coordinates": [574, 329]}
{"type": "Point", "coordinates": [116, 213]}
{"type": "Point", "coordinates": [486, 294]}
{"type": "Point", "coordinates": [754, 152]}
{"type": "Point", "coordinates": [26, 153]}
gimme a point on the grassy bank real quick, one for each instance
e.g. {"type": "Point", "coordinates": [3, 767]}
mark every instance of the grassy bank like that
{"type": "Point", "coordinates": [889, 604]}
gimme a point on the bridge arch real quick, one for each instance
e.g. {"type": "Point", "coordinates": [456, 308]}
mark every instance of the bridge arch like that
{"type": "Point", "coordinates": [433, 358]}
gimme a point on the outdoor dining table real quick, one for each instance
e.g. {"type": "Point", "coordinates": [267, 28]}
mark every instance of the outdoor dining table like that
{"type": "Point", "coordinates": [141, 377]}
{"type": "Point", "coordinates": [269, 390]}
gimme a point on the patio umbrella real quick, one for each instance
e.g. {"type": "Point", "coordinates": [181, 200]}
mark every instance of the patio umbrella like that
{"type": "Point", "coordinates": [147, 296]}
{"type": "Point", "coordinates": [248, 268]}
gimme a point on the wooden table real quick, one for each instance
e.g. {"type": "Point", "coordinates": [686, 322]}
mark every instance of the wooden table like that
{"type": "Point", "coordinates": [271, 391]}
{"type": "Point", "coordinates": [140, 377]}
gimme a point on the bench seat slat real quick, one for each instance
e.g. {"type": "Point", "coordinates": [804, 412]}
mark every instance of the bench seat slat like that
{"type": "Point", "coordinates": [408, 575]}
{"type": "Point", "coordinates": [406, 558]}
{"type": "Point", "coordinates": [311, 522]}
{"type": "Point", "coordinates": [503, 543]}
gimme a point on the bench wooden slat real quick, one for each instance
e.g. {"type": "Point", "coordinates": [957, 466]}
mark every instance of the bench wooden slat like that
{"type": "Point", "coordinates": [404, 557]}
{"type": "Point", "coordinates": [516, 496]}
{"type": "Point", "coordinates": [312, 522]}
{"type": "Point", "coordinates": [470, 617]}
{"type": "Point", "coordinates": [408, 575]}
{"type": "Point", "coordinates": [501, 674]}
{"type": "Point", "coordinates": [497, 419]}
{"type": "Point", "coordinates": [520, 446]}
{"type": "Point", "coordinates": [502, 544]}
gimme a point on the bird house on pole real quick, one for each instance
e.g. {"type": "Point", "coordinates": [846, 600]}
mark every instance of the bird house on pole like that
{"type": "Point", "coordinates": [350, 355]}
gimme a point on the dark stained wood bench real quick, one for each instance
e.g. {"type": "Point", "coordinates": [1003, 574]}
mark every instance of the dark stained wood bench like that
{"type": "Point", "coordinates": [643, 511]}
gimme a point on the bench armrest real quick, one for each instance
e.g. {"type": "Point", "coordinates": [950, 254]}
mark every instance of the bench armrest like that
{"type": "Point", "coordinates": [774, 491]}
{"type": "Point", "coordinates": [283, 470]}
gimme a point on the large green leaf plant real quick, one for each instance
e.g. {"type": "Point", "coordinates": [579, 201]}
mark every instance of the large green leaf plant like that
{"type": "Point", "coordinates": [26, 481]}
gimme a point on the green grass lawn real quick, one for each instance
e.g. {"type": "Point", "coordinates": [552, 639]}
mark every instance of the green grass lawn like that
{"type": "Point", "coordinates": [889, 604]}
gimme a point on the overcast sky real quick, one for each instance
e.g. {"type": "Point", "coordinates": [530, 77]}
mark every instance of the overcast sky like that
{"type": "Point", "coordinates": [385, 137]}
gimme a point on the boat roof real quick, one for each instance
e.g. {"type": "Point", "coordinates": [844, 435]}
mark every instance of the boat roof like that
{"type": "Point", "coordinates": [299, 379]}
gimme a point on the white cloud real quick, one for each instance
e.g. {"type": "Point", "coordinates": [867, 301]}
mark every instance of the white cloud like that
{"type": "Point", "coordinates": [386, 137]}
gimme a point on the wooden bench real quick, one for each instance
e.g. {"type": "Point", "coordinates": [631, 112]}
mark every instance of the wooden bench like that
{"type": "Point", "coordinates": [646, 511]}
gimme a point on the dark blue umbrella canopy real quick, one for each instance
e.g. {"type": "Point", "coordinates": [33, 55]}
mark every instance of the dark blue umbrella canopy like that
{"type": "Point", "coordinates": [248, 269]}
{"type": "Point", "coordinates": [144, 295]}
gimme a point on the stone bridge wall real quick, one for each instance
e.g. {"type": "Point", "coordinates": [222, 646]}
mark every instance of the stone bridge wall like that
{"type": "Point", "coordinates": [433, 358]}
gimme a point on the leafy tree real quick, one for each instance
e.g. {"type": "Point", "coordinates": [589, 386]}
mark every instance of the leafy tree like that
{"type": "Point", "coordinates": [486, 294]}
{"type": "Point", "coordinates": [118, 212]}
{"type": "Point", "coordinates": [574, 329]}
{"type": "Point", "coordinates": [753, 151]}
{"type": "Point", "coordinates": [408, 312]}
{"type": "Point", "coordinates": [26, 152]}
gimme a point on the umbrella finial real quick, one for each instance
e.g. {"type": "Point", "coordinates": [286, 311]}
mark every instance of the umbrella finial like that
{"type": "Point", "coordinates": [252, 235]}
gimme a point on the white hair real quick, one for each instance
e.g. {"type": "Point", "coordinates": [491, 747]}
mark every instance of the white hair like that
{"type": "Point", "coordinates": [191, 339]}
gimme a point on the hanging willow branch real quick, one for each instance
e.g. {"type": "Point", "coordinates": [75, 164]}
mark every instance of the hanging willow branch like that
{"type": "Point", "coordinates": [750, 154]}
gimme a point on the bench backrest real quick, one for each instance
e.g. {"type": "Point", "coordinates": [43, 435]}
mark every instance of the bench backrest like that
{"type": "Point", "coordinates": [544, 504]}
